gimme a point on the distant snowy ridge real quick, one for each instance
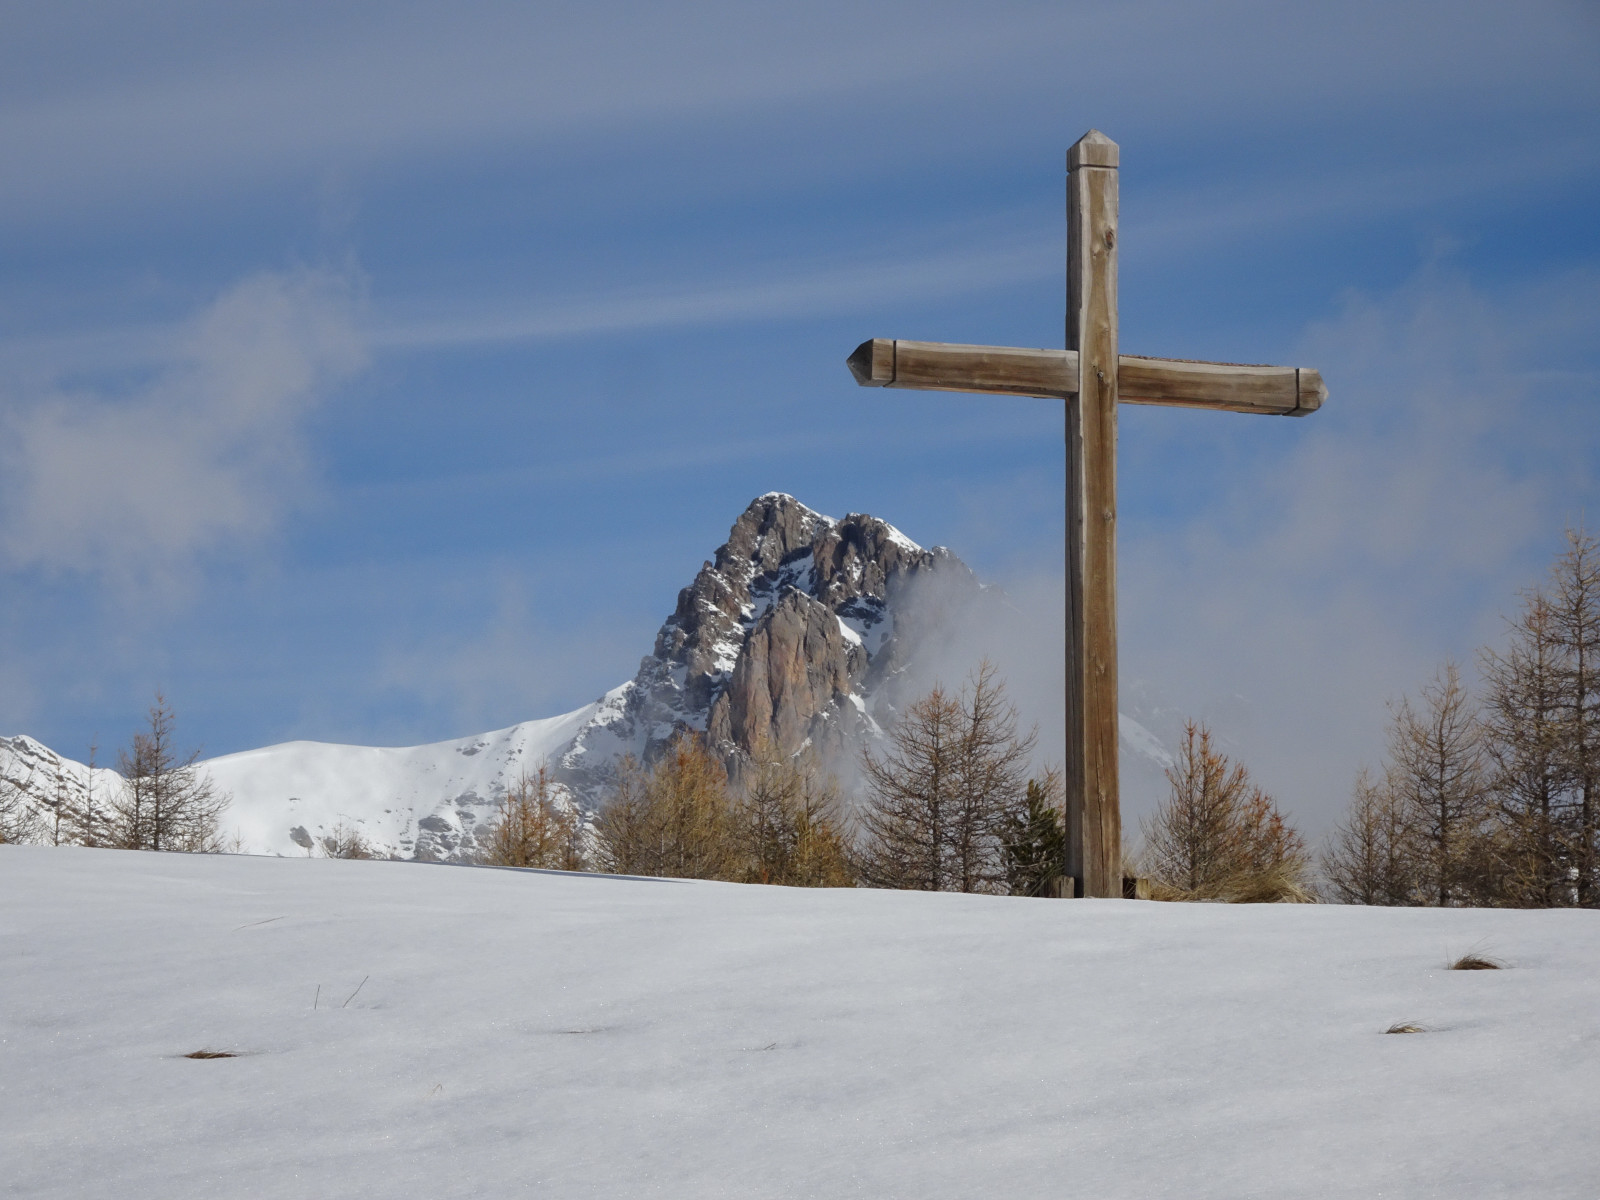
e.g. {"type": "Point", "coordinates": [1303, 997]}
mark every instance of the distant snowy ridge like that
{"type": "Point", "coordinates": [409, 801]}
{"type": "Point", "coordinates": [406, 801]}
{"type": "Point", "coordinates": [51, 778]}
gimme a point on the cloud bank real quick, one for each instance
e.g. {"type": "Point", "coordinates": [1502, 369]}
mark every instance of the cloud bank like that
{"type": "Point", "coordinates": [1330, 570]}
{"type": "Point", "coordinates": [203, 455]}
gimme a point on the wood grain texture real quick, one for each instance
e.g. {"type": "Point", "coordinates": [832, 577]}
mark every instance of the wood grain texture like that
{"type": "Point", "coordinates": [1235, 388]}
{"type": "Point", "coordinates": [1021, 371]}
{"type": "Point", "coordinates": [1093, 808]}
{"type": "Point", "coordinates": [995, 370]}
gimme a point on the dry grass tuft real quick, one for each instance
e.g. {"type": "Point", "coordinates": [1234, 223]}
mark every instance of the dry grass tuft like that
{"type": "Point", "coordinates": [1277, 885]}
{"type": "Point", "coordinates": [1405, 1027]}
{"type": "Point", "coordinates": [1475, 962]}
{"type": "Point", "coordinates": [211, 1054]}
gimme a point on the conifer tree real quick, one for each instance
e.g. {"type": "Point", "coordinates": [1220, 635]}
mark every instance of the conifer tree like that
{"type": "Point", "coordinates": [166, 801]}
{"type": "Point", "coordinates": [533, 828]}
{"type": "Point", "coordinates": [19, 822]}
{"type": "Point", "coordinates": [1437, 771]}
{"type": "Point", "coordinates": [344, 840]}
{"type": "Point", "coordinates": [991, 782]}
{"type": "Point", "coordinates": [88, 818]}
{"type": "Point", "coordinates": [1530, 774]}
{"type": "Point", "coordinates": [624, 839]}
{"type": "Point", "coordinates": [911, 798]}
{"type": "Point", "coordinates": [941, 794]}
{"type": "Point", "coordinates": [1035, 840]}
{"type": "Point", "coordinates": [1218, 836]}
{"type": "Point", "coordinates": [791, 831]}
{"type": "Point", "coordinates": [674, 819]}
{"type": "Point", "coordinates": [1574, 600]}
{"type": "Point", "coordinates": [1371, 856]}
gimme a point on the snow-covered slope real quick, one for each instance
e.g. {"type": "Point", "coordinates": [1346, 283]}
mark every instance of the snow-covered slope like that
{"type": "Point", "coordinates": [418, 1032]}
{"type": "Point", "coordinates": [408, 801]}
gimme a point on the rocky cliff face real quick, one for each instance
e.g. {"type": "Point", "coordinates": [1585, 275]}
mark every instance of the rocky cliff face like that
{"type": "Point", "coordinates": [785, 639]}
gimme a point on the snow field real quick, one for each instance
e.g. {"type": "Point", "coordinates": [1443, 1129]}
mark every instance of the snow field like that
{"type": "Point", "coordinates": [529, 1033]}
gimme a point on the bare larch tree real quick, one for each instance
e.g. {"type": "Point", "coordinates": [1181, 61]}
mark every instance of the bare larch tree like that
{"type": "Point", "coordinates": [535, 828]}
{"type": "Point", "coordinates": [1530, 777]}
{"type": "Point", "coordinates": [1437, 769]}
{"type": "Point", "coordinates": [946, 789]}
{"type": "Point", "coordinates": [1219, 836]}
{"type": "Point", "coordinates": [675, 819]}
{"type": "Point", "coordinates": [1371, 857]}
{"type": "Point", "coordinates": [1574, 600]}
{"type": "Point", "coordinates": [166, 801]}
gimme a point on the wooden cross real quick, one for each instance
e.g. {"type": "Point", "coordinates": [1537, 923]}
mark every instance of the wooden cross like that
{"type": "Point", "coordinates": [1092, 377]}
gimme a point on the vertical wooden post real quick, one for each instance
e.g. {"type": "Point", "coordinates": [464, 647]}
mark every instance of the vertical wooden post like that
{"type": "Point", "coordinates": [1094, 820]}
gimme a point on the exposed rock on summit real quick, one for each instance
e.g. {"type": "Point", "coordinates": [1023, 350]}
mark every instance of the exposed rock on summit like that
{"type": "Point", "coordinates": [782, 640]}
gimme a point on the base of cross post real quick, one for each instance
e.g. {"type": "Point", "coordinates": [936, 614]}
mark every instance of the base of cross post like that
{"type": "Point", "coordinates": [1065, 887]}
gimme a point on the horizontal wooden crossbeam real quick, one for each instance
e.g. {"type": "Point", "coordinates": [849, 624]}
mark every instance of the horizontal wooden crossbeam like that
{"type": "Point", "coordinates": [1014, 371]}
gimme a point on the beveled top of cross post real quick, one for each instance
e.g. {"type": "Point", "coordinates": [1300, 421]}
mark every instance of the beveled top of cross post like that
{"type": "Point", "coordinates": [1093, 149]}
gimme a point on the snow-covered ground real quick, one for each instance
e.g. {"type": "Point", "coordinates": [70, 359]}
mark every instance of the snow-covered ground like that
{"type": "Point", "coordinates": [408, 1030]}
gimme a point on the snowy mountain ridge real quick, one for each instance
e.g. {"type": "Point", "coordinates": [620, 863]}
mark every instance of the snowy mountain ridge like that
{"type": "Point", "coordinates": [799, 632]}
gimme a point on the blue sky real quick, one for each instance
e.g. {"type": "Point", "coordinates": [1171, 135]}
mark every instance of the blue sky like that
{"type": "Point", "coordinates": [379, 373]}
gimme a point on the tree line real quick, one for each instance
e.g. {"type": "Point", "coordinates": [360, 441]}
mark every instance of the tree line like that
{"type": "Point", "coordinates": [947, 805]}
{"type": "Point", "coordinates": [1491, 799]}
{"type": "Point", "coordinates": [949, 801]}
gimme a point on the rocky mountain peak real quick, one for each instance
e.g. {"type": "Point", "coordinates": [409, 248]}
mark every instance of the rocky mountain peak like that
{"type": "Point", "coordinates": [777, 643]}
{"type": "Point", "coordinates": [773, 531]}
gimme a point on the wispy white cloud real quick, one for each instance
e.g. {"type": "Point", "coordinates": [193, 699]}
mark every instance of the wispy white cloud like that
{"type": "Point", "coordinates": [790, 290]}
{"type": "Point", "coordinates": [205, 455]}
{"type": "Point", "coordinates": [1394, 528]}
{"type": "Point", "coordinates": [1006, 250]}
{"type": "Point", "coordinates": [1338, 195]}
{"type": "Point", "coordinates": [235, 96]}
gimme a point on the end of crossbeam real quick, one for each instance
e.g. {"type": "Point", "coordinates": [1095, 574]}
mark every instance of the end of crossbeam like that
{"type": "Point", "coordinates": [1093, 149]}
{"type": "Point", "coordinates": [872, 362]}
{"type": "Point", "coordinates": [1310, 391]}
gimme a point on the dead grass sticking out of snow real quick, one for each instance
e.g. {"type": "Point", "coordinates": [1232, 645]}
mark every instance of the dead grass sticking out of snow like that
{"type": "Point", "coordinates": [1276, 886]}
{"type": "Point", "coordinates": [1476, 962]}
{"type": "Point", "coordinates": [211, 1054]}
{"type": "Point", "coordinates": [1405, 1027]}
